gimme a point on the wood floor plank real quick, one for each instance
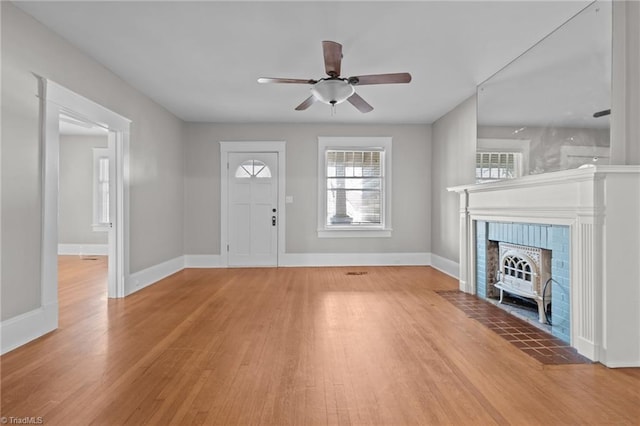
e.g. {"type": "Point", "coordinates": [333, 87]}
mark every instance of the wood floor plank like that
{"type": "Point", "coordinates": [292, 346]}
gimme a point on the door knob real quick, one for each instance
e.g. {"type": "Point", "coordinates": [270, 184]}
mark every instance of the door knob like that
{"type": "Point", "coordinates": [273, 221]}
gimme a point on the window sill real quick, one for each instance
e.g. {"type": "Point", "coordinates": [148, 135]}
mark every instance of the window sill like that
{"type": "Point", "coordinates": [354, 233]}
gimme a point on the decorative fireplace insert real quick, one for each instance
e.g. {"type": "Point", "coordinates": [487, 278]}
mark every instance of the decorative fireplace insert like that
{"type": "Point", "coordinates": [525, 271]}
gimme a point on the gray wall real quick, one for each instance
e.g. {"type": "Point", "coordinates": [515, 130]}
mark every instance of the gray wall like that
{"type": "Point", "coordinates": [75, 190]}
{"type": "Point", "coordinates": [454, 147]}
{"type": "Point", "coordinates": [411, 183]}
{"type": "Point", "coordinates": [156, 156]}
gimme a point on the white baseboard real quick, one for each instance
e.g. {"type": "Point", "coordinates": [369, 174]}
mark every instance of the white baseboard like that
{"type": "Point", "coordinates": [445, 265]}
{"type": "Point", "coordinates": [84, 249]}
{"type": "Point", "coordinates": [322, 259]}
{"type": "Point", "coordinates": [21, 329]}
{"type": "Point", "coordinates": [355, 259]}
{"type": "Point", "coordinates": [203, 261]}
{"type": "Point", "coordinates": [616, 362]}
{"type": "Point", "coordinates": [151, 275]}
{"type": "Point", "coordinates": [141, 279]}
{"type": "Point", "coordinates": [585, 348]}
{"type": "Point", "coordinates": [622, 364]}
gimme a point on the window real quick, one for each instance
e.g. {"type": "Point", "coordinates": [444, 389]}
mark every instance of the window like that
{"type": "Point", "coordinates": [100, 189]}
{"type": "Point", "coordinates": [354, 174]}
{"type": "Point", "coordinates": [253, 168]}
{"type": "Point", "coordinates": [492, 166]}
{"type": "Point", "coordinates": [501, 159]}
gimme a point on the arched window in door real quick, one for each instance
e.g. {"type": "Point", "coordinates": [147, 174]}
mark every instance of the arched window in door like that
{"type": "Point", "coordinates": [253, 169]}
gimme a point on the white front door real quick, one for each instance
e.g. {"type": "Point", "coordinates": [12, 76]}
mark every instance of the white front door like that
{"type": "Point", "coordinates": [252, 203]}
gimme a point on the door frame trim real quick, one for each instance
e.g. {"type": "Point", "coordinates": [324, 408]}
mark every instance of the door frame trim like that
{"type": "Point", "coordinates": [226, 147]}
{"type": "Point", "coordinates": [55, 98]}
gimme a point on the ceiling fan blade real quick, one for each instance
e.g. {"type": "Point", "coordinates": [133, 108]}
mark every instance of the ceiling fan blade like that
{"type": "Point", "coordinates": [307, 103]}
{"type": "Point", "coordinates": [361, 80]}
{"type": "Point", "coordinates": [359, 103]}
{"type": "Point", "coordinates": [286, 80]}
{"type": "Point", "coordinates": [332, 57]}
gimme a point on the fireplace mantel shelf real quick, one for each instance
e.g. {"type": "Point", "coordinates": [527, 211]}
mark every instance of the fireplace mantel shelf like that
{"type": "Point", "coordinates": [601, 205]}
{"type": "Point", "coordinates": [562, 176]}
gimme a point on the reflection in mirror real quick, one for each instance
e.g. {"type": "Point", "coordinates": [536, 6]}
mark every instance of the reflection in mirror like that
{"type": "Point", "coordinates": [549, 107]}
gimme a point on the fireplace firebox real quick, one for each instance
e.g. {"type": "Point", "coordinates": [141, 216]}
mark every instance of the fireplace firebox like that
{"type": "Point", "coordinates": [525, 271]}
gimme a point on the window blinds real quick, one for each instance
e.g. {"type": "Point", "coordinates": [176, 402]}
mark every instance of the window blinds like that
{"type": "Point", "coordinates": [354, 187]}
{"type": "Point", "coordinates": [497, 165]}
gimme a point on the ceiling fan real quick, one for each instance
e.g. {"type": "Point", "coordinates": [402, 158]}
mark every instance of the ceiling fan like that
{"type": "Point", "coordinates": [334, 89]}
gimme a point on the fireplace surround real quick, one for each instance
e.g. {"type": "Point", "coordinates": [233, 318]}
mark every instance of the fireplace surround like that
{"type": "Point", "coordinates": [554, 242]}
{"type": "Point", "coordinates": [600, 205]}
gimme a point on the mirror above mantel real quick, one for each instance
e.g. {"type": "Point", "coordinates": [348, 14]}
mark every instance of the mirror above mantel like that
{"type": "Point", "coordinates": [548, 109]}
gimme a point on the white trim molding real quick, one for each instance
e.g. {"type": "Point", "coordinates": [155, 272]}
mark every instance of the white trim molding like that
{"type": "Point", "coordinates": [354, 233]}
{"type": "Point", "coordinates": [325, 259]}
{"type": "Point", "coordinates": [56, 99]}
{"type": "Point", "coordinates": [151, 275]}
{"type": "Point", "coordinates": [445, 265]}
{"type": "Point", "coordinates": [21, 329]}
{"type": "Point", "coordinates": [203, 261]}
{"type": "Point", "coordinates": [601, 206]}
{"type": "Point", "coordinates": [383, 144]}
{"type": "Point", "coordinates": [83, 249]}
{"type": "Point", "coordinates": [356, 259]}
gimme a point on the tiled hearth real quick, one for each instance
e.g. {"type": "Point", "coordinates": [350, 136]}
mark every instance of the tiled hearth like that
{"type": "Point", "coordinates": [539, 345]}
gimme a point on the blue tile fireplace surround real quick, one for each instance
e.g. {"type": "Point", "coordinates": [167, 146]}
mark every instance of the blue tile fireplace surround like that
{"type": "Point", "coordinates": [555, 238]}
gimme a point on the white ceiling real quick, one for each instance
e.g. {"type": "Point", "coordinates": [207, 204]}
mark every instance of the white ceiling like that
{"type": "Point", "coordinates": [200, 60]}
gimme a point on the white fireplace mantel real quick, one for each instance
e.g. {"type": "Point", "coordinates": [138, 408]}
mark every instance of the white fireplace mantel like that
{"type": "Point", "coordinates": [601, 205]}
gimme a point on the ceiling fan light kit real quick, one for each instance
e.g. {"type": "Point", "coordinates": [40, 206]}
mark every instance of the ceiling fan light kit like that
{"type": "Point", "coordinates": [332, 92]}
{"type": "Point", "coordinates": [335, 90]}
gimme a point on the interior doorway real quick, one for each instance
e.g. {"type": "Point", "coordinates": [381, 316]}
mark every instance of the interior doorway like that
{"type": "Point", "coordinates": [85, 181]}
{"type": "Point", "coordinates": [56, 103]}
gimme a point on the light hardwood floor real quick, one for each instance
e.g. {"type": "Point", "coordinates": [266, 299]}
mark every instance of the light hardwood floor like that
{"type": "Point", "coordinates": [293, 346]}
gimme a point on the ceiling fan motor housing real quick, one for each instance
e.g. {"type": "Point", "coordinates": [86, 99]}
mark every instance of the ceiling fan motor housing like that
{"type": "Point", "coordinates": [332, 91]}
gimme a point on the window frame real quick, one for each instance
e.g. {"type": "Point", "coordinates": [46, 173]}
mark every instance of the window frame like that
{"type": "Point", "coordinates": [511, 146]}
{"type": "Point", "coordinates": [517, 166]}
{"type": "Point", "coordinates": [99, 154]}
{"type": "Point", "coordinates": [377, 143]}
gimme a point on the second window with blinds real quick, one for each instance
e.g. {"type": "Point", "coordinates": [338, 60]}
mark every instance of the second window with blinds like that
{"type": "Point", "coordinates": [492, 166]}
{"type": "Point", "coordinates": [353, 181]}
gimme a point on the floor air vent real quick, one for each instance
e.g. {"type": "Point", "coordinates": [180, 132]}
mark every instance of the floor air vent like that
{"type": "Point", "coordinates": [356, 273]}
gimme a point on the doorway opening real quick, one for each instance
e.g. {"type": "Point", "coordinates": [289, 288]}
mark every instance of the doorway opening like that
{"type": "Point", "coordinates": [108, 236]}
{"type": "Point", "coordinates": [84, 210]}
